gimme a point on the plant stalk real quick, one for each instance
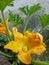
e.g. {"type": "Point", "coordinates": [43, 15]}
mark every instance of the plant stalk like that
{"type": "Point", "coordinates": [34, 62]}
{"type": "Point", "coordinates": [8, 31]}
{"type": "Point", "coordinates": [6, 55]}
{"type": "Point", "coordinates": [26, 23]}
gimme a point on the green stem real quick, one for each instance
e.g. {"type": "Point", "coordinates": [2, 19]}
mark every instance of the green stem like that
{"type": "Point", "coordinates": [40, 62]}
{"type": "Point", "coordinates": [3, 16]}
{"type": "Point", "coordinates": [26, 23]}
{"type": "Point", "coordinates": [6, 55]}
{"type": "Point", "coordinates": [40, 30]}
{"type": "Point", "coordinates": [14, 63]}
{"type": "Point", "coordinates": [8, 31]}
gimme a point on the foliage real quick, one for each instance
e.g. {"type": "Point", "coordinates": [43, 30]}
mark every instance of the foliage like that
{"type": "Point", "coordinates": [47, 41]}
{"type": "Point", "coordinates": [30, 10]}
{"type": "Point", "coordinates": [15, 19]}
{"type": "Point", "coordinates": [44, 19]}
{"type": "Point", "coordinates": [3, 40]}
{"type": "Point", "coordinates": [4, 3]}
{"type": "Point", "coordinates": [6, 55]}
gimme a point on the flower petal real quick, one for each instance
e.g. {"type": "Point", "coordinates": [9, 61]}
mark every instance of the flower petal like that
{"type": "Point", "coordinates": [33, 39]}
{"type": "Point", "coordinates": [41, 37]}
{"type": "Point", "coordinates": [2, 29]}
{"type": "Point", "coordinates": [39, 49]}
{"type": "Point", "coordinates": [17, 35]}
{"type": "Point", "coordinates": [24, 57]}
{"type": "Point", "coordinates": [14, 46]}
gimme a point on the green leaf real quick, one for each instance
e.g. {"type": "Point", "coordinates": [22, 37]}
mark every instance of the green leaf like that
{"type": "Point", "coordinates": [25, 10]}
{"type": "Point", "coordinates": [30, 10]}
{"type": "Point", "coordinates": [11, 4]}
{"type": "Point", "coordinates": [3, 40]}
{"type": "Point", "coordinates": [11, 16]}
{"type": "Point", "coordinates": [45, 33]}
{"type": "Point", "coordinates": [47, 41]}
{"type": "Point", "coordinates": [4, 3]}
{"type": "Point", "coordinates": [14, 63]}
{"type": "Point", "coordinates": [44, 19]}
{"type": "Point", "coordinates": [15, 19]}
{"type": "Point", "coordinates": [40, 62]}
{"type": "Point", "coordinates": [35, 8]}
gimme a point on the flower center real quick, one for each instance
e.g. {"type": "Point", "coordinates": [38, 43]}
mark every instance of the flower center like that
{"type": "Point", "coordinates": [25, 48]}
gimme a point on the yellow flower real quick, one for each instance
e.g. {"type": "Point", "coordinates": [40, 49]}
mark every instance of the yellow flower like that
{"type": "Point", "coordinates": [3, 27]}
{"type": "Point", "coordinates": [25, 45]}
{"type": "Point", "coordinates": [17, 44]}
